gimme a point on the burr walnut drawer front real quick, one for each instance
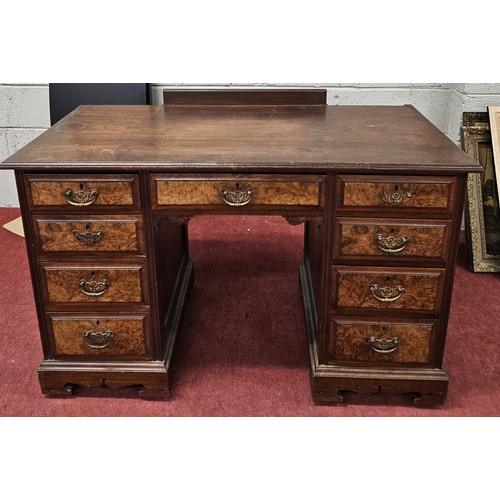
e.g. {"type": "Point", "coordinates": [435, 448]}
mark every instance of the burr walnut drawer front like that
{"type": "Point", "coordinates": [99, 336]}
{"type": "Point", "coordinates": [83, 191]}
{"type": "Point", "coordinates": [391, 341]}
{"type": "Point", "coordinates": [87, 283]}
{"type": "Point", "coordinates": [238, 190]}
{"type": "Point", "coordinates": [388, 288]}
{"type": "Point", "coordinates": [392, 239]}
{"type": "Point", "coordinates": [96, 233]}
{"type": "Point", "coordinates": [396, 193]}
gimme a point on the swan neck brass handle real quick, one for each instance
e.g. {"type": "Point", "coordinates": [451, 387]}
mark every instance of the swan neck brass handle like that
{"type": "Point", "coordinates": [237, 197]}
{"type": "Point", "coordinates": [80, 198]}
{"type": "Point", "coordinates": [88, 238]}
{"type": "Point", "coordinates": [93, 288]}
{"type": "Point", "coordinates": [391, 244]}
{"type": "Point", "coordinates": [395, 198]}
{"type": "Point", "coordinates": [387, 293]}
{"type": "Point", "coordinates": [383, 346]}
{"type": "Point", "coordinates": [98, 340]}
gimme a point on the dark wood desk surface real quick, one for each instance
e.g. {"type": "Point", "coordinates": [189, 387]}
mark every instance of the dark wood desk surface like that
{"type": "Point", "coordinates": [393, 137]}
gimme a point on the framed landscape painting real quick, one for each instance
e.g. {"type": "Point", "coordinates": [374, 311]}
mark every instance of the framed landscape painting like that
{"type": "Point", "coordinates": [482, 206]}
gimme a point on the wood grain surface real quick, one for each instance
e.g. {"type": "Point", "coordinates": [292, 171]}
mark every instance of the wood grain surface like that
{"type": "Point", "coordinates": [426, 238]}
{"type": "Point", "coordinates": [207, 137]}
{"type": "Point", "coordinates": [349, 341]}
{"type": "Point", "coordinates": [192, 190]}
{"type": "Point", "coordinates": [422, 287]}
{"type": "Point", "coordinates": [62, 282]}
{"type": "Point", "coordinates": [120, 234]}
{"type": "Point", "coordinates": [112, 190]}
{"type": "Point", "coordinates": [128, 336]}
{"type": "Point", "coordinates": [247, 97]}
{"type": "Point", "coordinates": [367, 191]}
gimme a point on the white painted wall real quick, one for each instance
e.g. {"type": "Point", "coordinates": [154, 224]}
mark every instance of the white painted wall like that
{"type": "Point", "coordinates": [24, 108]}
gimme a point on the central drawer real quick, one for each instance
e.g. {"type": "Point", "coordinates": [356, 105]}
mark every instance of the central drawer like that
{"type": "Point", "coordinates": [238, 190]}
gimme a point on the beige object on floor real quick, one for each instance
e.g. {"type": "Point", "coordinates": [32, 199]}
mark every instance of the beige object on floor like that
{"type": "Point", "coordinates": [15, 226]}
{"type": "Point", "coordinates": [494, 114]}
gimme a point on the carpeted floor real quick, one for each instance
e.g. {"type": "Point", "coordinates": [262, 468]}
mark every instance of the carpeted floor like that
{"type": "Point", "coordinates": [243, 350]}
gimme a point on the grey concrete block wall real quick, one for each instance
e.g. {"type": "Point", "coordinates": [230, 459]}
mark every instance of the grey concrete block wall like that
{"type": "Point", "coordinates": [24, 105]}
{"type": "Point", "coordinates": [24, 108]}
{"type": "Point", "coordinates": [24, 115]}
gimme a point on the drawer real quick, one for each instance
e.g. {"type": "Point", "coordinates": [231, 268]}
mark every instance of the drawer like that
{"type": "Point", "coordinates": [83, 191]}
{"type": "Point", "coordinates": [388, 288]}
{"type": "Point", "coordinates": [96, 233]}
{"type": "Point", "coordinates": [396, 193]}
{"type": "Point", "coordinates": [392, 239]}
{"type": "Point", "coordinates": [380, 342]}
{"type": "Point", "coordinates": [87, 283]}
{"type": "Point", "coordinates": [238, 190]}
{"type": "Point", "coordinates": [99, 336]}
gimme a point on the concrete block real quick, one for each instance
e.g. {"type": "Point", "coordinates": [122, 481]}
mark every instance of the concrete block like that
{"type": "Point", "coordinates": [390, 85]}
{"type": "Point", "coordinates": [15, 140]}
{"type": "Point", "coordinates": [19, 137]}
{"type": "Point", "coordinates": [4, 148]}
{"type": "Point", "coordinates": [480, 102]}
{"type": "Point", "coordinates": [482, 88]}
{"type": "Point", "coordinates": [455, 116]}
{"type": "Point", "coordinates": [24, 106]}
{"type": "Point", "coordinates": [8, 190]}
{"type": "Point", "coordinates": [434, 104]}
{"type": "Point", "coordinates": [459, 87]}
{"type": "Point", "coordinates": [156, 95]}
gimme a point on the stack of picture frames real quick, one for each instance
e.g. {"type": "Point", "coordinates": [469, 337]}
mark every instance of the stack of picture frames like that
{"type": "Point", "coordinates": [480, 135]}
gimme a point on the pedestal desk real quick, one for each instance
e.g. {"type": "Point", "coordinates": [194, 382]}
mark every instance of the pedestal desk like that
{"type": "Point", "coordinates": [107, 193]}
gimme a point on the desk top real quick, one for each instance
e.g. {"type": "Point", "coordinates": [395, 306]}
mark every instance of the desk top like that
{"type": "Point", "coordinates": [227, 136]}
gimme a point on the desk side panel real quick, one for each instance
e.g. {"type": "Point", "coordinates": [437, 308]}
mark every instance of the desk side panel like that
{"type": "Point", "coordinates": [172, 262]}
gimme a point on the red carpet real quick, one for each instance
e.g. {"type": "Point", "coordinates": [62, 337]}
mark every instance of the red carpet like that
{"type": "Point", "coordinates": [243, 349]}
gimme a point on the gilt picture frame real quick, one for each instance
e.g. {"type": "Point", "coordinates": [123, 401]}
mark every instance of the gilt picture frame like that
{"type": "Point", "coordinates": [482, 214]}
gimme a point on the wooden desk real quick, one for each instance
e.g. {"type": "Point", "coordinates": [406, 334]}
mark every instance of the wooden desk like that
{"type": "Point", "coordinates": [107, 193]}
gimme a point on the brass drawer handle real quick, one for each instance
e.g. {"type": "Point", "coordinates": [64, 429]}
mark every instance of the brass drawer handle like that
{"type": "Point", "coordinates": [383, 346]}
{"type": "Point", "coordinates": [387, 293]}
{"type": "Point", "coordinates": [80, 198]}
{"type": "Point", "coordinates": [93, 288]}
{"type": "Point", "coordinates": [88, 238]}
{"type": "Point", "coordinates": [395, 198]}
{"type": "Point", "coordinates": [98, 340]}
{"type": "Point", "coordinates": [391, 244]}
{"type": "Point", "coordinates": [237, 198]}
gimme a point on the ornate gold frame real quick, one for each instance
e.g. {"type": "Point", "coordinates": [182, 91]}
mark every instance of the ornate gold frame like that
{"type": "Point", "coordinates": [474, 135]}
